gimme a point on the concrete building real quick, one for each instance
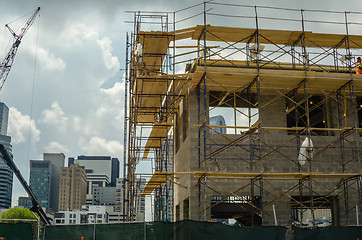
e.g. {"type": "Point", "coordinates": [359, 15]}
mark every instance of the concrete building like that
{"type": "Point", "coordinates": [104, 196]}
{"type": "Point", "coordinates": [95, 180]}
{"type": "Point", "coordinates": [57, 161]}
{"type": "Point", "coordinates": [86, 215]}
{"type": "Point", "coordinates": [73, 187]}
{"type": "Point", "coordinates": [140, 201]}
{"type": "Point", "coordinates": [40, 181]}
{"type": "Point", "coordinates": [6, 175]}
{"type": "Point", "coordinates": [104, 165]}
{"type": "Point", "coordinates": [300, 144]}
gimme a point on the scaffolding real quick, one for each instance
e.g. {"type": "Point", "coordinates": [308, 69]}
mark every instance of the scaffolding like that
{"type": "Point", "coordinates": [292, 142]}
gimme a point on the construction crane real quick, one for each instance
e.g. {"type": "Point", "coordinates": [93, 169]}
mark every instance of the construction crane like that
{"type": "Point", "coordinates": [4, 155]}
{"type": "Point", "coordinates": [9, 59]}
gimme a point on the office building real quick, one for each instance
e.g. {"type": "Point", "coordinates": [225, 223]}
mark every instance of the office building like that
{"type": "Point", "coordinates": [73, 187]}
{"type": "Point", "coordinates": [95, 180]}
{"type": "Point", "coordinates": [6, 175]}
{"type": "Point", "coordinates": [40, 181]}
{"type": "Point", "coordinates": [104, 196]}
{"type": "Point", "coordinates": [44, 179]}
{"type": "Point", "coordinates": [24, 202]}
{"type": "Point", "coordinates": [90, 214]}
{"type": "Point", "coordinates": [4, 116]}
{"type": "Point", "coordinates": [99, 165]}
{"type": "Point", "coordinates": [57, 161]}
{"type": "Point", "coordinates": [140, 201]}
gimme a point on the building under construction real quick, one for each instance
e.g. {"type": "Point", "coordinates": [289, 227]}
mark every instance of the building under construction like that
{"type": "Point", "coordinates": [290, 149]}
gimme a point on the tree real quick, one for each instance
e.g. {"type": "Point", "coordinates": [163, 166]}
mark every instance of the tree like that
{"type": "Point", "coordinates": [17, 213]}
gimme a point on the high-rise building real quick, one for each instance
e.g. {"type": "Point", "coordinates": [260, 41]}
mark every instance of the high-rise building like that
{"type": "Point", "coordinates": [4, 116]}
{"type": "Point", "coordinates": [6, 175]}
{"type": "Point", "coordinates": [104, 196]}
{"type": "Point", "coordinates": [57, 161]}
{"type": "Point", "coordinates": [218, 121]}
{"type": "Point", "coordinates": [94, 180]}
{"type": "Point", "coordinates": [140, 201]}
{"type": "Point", "coordinates": [40, 181]}
{"type": "Point", "coordinates": [24, 202]}
{"type": "Point", "coordinates": [73, 187]}
{"type": "Point", "coordinates": [100, 165]}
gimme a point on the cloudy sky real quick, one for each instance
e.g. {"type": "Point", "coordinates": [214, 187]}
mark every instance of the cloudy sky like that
{"type": "Point", "coordinates": [65, 90]}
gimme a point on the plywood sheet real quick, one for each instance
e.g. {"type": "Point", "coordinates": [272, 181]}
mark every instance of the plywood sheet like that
{"type": "Point", "coordinates": [155, 45]}
{"type": "Point", "coordinates": [156, 181]}
{"type": "Point", "coordinates": [282, 37]}
{"type": "Point", "coordinates": [158, 134]}
{"type": "Point", "coordinates": [236, 79]}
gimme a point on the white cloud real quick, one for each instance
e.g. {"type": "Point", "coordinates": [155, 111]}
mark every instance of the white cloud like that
{"type": "Point", "coordinates": [56, 147]}
{"type": "Point", "coordinates": [110, 61]}
{"type": "Point", "coordinates": [49, 61]}
{"type": "Point", "coordinates": [113, 102]}
{"type": "Point", "coordinates": [20, 126]}
{"type": "Point", "coordinates": [54, 116]}
{"type": "Point", "coordinates": [100, 146]}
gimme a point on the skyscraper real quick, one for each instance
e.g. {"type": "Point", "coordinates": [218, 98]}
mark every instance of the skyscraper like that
{"type": "Point", "coordinates": [73, 187]}
{"type": "Point", "coordinates": [99, 165]}
{"type": "Point", "coordinates": [4, 116]}
{"type": "Point", "coordinates": [40, 181]}
{"type": "Point", "coordinates": [57, 161]}
{"type": "Point", "coordinates": [6, 175]}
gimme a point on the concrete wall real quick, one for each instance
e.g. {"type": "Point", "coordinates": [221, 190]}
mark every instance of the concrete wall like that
{"type": "Point", "coordinates": [279, 154]}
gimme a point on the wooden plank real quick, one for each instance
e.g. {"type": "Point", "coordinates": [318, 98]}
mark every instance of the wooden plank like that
{"type": "Point", "coordinates": [158, 134]}
{"type": "Point", "coordinates": [231, 79]}
{"type": "Point", "coordinates": [297, 175]}
{"type": "Point", "coordinates": [156, 181]}
{"type": "Point", "coordinates": [281, 37]}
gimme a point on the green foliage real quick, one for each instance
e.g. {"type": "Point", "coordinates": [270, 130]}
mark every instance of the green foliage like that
{"type": "Point", "coordinates": [17, 213]}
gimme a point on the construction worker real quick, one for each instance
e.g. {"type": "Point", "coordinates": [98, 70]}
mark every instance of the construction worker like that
{"type": "Point", "coordinates": [358, 66]}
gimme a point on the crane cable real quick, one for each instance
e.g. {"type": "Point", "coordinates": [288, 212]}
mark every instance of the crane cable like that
{"type": "Point", "coordinates": [33, 89]}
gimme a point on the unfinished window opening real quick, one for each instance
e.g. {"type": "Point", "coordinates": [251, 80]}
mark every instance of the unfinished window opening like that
{"type": "Point", "coordinates": [186, 208]}
{"type": "Point", "coordinates": [233, 113]}
{"type": "Point", "coordinates": [239, 208]}
{"type": "Point", "coordinates": [178, 212]}
{"type": "Point", "coordinates": [359, 111]}
{"type": "Point", "coordinates": [319, 114]}
{"type": "Point", "coordinates": [177, 132]}
{"type": "Point", "coordinates": [184, 118]}
{"type": "Point", "coordinates": [302, 214]}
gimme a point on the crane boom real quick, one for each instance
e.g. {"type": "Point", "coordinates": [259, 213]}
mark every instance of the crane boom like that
{"type": "Point", "coordinates": [9, 59]}
{"type": "Point", "coordinates": [36, 206]}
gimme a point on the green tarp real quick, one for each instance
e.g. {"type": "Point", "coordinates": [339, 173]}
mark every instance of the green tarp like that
{"type": "Point", "coordinates": [328, 233]}
{"type": "Point", "coordinates": [18, 231]}
{"type": "Point", "coordinates": [183, 230]}
{"type": "Point", "coordinates": [189, 230]}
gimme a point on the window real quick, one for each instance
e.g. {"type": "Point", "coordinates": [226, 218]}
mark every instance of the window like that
{"type": "Point", "coordinates": [229, 110]}
{"type": "Point", "coordinates": [318, 106]}
{"type": "Point", "coordinates": [186, 209]}
{"type": "Point", "coordinates": [359, 110]}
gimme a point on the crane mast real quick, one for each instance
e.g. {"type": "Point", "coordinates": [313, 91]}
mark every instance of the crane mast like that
{"type": "Point", "coordinates": [9, 59]}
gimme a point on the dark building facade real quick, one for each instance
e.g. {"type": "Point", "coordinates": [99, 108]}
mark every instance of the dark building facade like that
{"type": "Point", "coordinates": [40, 181]}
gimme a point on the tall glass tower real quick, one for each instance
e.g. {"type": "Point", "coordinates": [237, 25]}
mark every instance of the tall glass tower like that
{"type": "Point", "coordinates": [6, 175]}
{"type": "Point", "coordinates": [40, 181]}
